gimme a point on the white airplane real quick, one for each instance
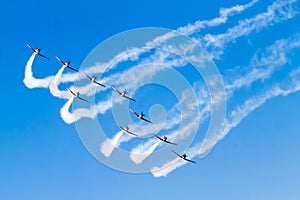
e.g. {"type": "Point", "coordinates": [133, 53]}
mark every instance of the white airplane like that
{"type": "Point", "coordinates": [184, 157]}
{"type": "Point", "coordinates": [66, 64]}
{"type": "Point", "coordinates": [126, 129]}
{"type": "Point", "coordinates": [141, 116]}
{"type": "Point", "coordinates": [93, 79]}
{"type": "Point", "coordinates": [164, 139]}
{"type": "Point", "coordinates": [123, 94]}
{"type": "Point", "coordinates": [76, 94]}
{"type": "Point", "coordinates": [36, 51]}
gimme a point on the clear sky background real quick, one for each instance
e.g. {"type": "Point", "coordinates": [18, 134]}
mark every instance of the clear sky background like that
{"type": "Point", "coordinates": [42, 157]}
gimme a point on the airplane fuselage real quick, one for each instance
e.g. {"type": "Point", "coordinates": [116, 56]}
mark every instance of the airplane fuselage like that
{"type": "Point", "coordinates": [37, 51]}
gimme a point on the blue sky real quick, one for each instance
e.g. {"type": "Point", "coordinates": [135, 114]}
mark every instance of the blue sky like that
{"type": "Point", "coordinates": [256, 156]}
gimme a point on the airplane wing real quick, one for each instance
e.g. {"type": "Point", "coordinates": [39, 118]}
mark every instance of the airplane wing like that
{"type": "Point", "coordinates": [123, 129]}
{"type": "Point", "coordinates": [170, 142]}
{"type": "Point", "coordinates": [129, 98]}
{"type": "Point", "coordinates": [90, 78]}
{"type": "Point", "coordinates": [159, 138]}
{"type": "Point", "coordinates": [72, 92]}
{"type": "Point", "coordinates": [180, 156]}
{"type": "Point", "coordinates": [134, 112]}
{"type": "Point", "coordinates": [82, 99]}
{"type": "Point", "coordinates": [177, 154]}
{"type": "Point", "coordinates": [146, 120]}
{"type": "Point", "coordinates": [164, 140]}
{"type": "Point", "coordinates": [72, 69]}
{"type": "Point", "coordinates": [30, 47]}
{"type": "Point", "coordinates": [99, 84]}
{"type": "Point", "coordinates": [43, 56]}
{"type": "Point", "coordinates": [115, 89]}
{"type": "Point", "coordinates": [62, 62]}
{"type": "Point", "coordinates": [131, 133]}
{"type": "Point", "coordinates": [189, 160]}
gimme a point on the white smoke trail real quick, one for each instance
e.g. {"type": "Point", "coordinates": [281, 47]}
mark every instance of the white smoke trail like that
{"type": "Point", "coordinates": [222, 19]}
{"type": "Point", "coordinates": [263, 64]}
{"type": "Point", "coordinates": [32, 82]}
{"type": "Point", "coordinates": [91, 113]}
{"type": "Point", "coordinates": [234, 118]}
{"type": "Point", "coordinates": [284, 88]}
{"type": "Point", "coordinates": [77, 114]}
{"type": "Point", "coordinates": [146, 147]}
{"type": "Point", "coordinates": [216, 42]}
{"type": "Point", "coordinates": [133, 53]}
{"type": "Point", "coordinates": [108, 146]}
{"type": "Point", "coordinates": [277, 51]}
{"type": "Point", "coordinates": [278, 12]}
{"type": "Point", "coordinates": [140, 153]}
{"type": "Point", "coordinates": [129, 82]}
{"type": "Point", "coordinates": [271, 59]}
{"type": "Point", "coordinates": [168, 167]}
{"type": "Point", "coordinates": [54, 86]}
{"type": "Point", "coordinates": [248, 80]}
{"type": "Point", "coordinates": [64, 111]}
{"type": "Point", "coordinates": [144, 150]}
{"type": "Point", "coordinates": [153, 130]}
{"type": "Point", "coordinates": [87, 90]}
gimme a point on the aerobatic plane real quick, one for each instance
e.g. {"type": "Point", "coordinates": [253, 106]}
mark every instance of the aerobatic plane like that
{"type": "Point", "coordinates": [123, 94]}
{"type": "Point", "coordinates": [126, 129]}
{"type": "Point", "coordinates": [141, 116]}
{"type": "Point", "coordinates": [76, 94]}
{"type": "Point", "coordinates": [184, 157]}
{"type": "Point", "coordinates": [93, 79]}
{"type": "Point", "coordinates": [164, 139]}
{"type": "Point", "coordinates": [36, 51]}
{"type": "Point", "coordinates": [66, 64]}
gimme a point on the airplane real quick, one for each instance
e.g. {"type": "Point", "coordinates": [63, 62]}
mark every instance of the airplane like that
{"type": "Point", "coordinates": [141, 116]}
{"type": "Point", "coordinates": [164, 139]}
{"type": "Point", "coordinates": [123, 94]}
{"type": "Point", "coordinates": [66, 64]}
{"type": "Point", "coordinates": [126, 129]}
{"type": "Point", "coordinates": [184, 157]}
{"type": "Point", "coordinates": [76, 94]}
{"type": "Point", "coordinates": [93, 80]}
{"type": "Point", "coordinates": [36, 51]}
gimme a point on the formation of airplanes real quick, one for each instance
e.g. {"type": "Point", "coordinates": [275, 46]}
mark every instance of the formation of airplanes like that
{"type": "Point", "coordinates": [121, 93]}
